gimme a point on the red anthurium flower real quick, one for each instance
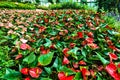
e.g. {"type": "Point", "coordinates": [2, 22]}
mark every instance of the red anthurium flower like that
{"type": "Point", "coordinates": [41, 29]}
{"type": "Point", "coordinates": [61, 76]}
{"type": "Point", "coordinates": [92, 45]}
{"type": "Point", "coordinates": [85, 72]}
{"type": "Point", "coordinates": [72, 45]}
{"type": "Point", "coordinates": [93, 73]}
{"type": "Point", "coordinates": [65, 61]}
{"type": "Point", "coordinates": [108, 27]}
{"type": "Point", "coordinates": [45, 51]}
{"type": "Point", "coordinates": [75, 65]}
{"type": "Point", "coordinates": [24, 46]}
{"type": "Point", "coordinates": [111, 69]}
{"type": "Point", "coordinates": [27, 78]}
{"type": "Point", "coordinates": [109, 42]}
{"type": "Point", "coordinates": [46, 20]}
{"type": "Point", "coordinates": [18, 56]}
{"type": "Point", "coordinates": [118, 65]}
{"type": "Point", "coordinates": [69, 78]}
{"type": "Point", "coordinates": [80, 35]}
{"type": "Point", "coordinates": [35, 72]}
{"type": "Point", "coordinates": [113, 56]}
{"type": "Point", "coordinates": [24, 71]}
{"type": "Point", "coordinates": [42, 48]}
{"type": "Point", "coordinates": [52, 46]}
{"type": "Point", "coordinates": [89, 40]}
{"type": "Point", "coordinates": [66, 31]}
{"type": "Point", "coordinates": [114, 48]}
{"type": "Point", "coordinates": [89, 24]}
{"type": "Point", "coordinates": [65, 50]}
{"type": "Point", "coordinates": [82, 62]}
{"type": "Point", "coordinates": [100, 68]}
{"type": "Point", "coordinates": [90, 34]}
{"type": "Point", "coordinates": [84, 43]}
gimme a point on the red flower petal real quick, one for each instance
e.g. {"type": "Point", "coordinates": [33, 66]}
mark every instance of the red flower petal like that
{"type": "Point", "coordinates": [18, 56]}
{"type": "Point", "coordinates": [69, 78]}
{"type": "Point", "coordinates": [113, 56]}
{"type": "Point", "coordinates": [24, 71]}
{"type": "Point", "coordinates": [65, 61]}
{"type": "Point", "coordinates": [84, 73]}
{"type": "Point", "coordinates": [61, 76]}
{"type": "Point", "coordinates": [80, 35]}
{"type": "Point", "coordinates": [65, 50]}
{"type": "Point", "coordinates": [27, 78]}
{"type": "Point", "coordinates": [35, 72]}
{"type": "Point", "coordinates": [111, 68]}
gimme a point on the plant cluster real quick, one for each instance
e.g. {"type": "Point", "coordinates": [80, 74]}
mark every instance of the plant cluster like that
{"type": "Point", "coordinates": [60, 45]}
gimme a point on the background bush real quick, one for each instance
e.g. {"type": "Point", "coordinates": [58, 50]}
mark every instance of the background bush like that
{"type": "Point", "coordinates": [15, 5]}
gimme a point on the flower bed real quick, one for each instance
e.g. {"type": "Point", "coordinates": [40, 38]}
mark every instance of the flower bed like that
{"type": "Point", "coordinates": [60, 45]}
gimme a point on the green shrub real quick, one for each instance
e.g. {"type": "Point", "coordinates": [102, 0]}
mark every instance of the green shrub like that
{"type": "Point", "coordinates": [14, 5]}
{"type": "Point", "coordinates": [42, 7]}
{"type": "Point", "coordinates": [69, 5]}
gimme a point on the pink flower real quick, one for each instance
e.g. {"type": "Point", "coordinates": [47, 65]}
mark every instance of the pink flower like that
{"type": "Point", "coordinates": [24, 46]}
{"type": "Point", "coordinates": [18, 56]}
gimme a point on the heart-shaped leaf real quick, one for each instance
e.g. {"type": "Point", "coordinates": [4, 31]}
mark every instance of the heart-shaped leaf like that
{"type": "Point", "coordinates": [46, 59]}
{"type": "Point", "coordinates": [30, 58]}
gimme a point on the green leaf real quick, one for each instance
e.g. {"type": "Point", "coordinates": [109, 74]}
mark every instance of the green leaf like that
{"type": "Point", "coordinates": [84, 52]}
{"type": "Point", "coordinates": [45, 79]}
{"type": "Point", "coordinates": [12, 74]}
{"type": "Point", "coordinates": [73, 52]}
{"type": "Point", "coordinates": [66, 70]}
{"type": "Point", "coordinates": [104, 61]}
{"type": "Point", "coordinates": [78, 76]}
{"type": "Point", "coordinates": [30, 58]}
{"type": "Point", "coordinates": [48, 43]}
{"type": "Point", "coordinates": [48, 70]}
{"type": "Point", "coordinates": [46, 59]}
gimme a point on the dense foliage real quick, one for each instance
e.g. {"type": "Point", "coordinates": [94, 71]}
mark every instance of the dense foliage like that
{"type": "Point", "coordinates": [15, 5]}
{"type": "Point", "coordinates": [58, 45]}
